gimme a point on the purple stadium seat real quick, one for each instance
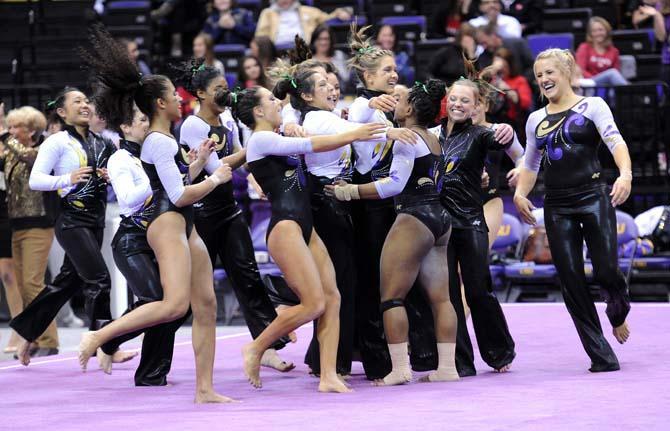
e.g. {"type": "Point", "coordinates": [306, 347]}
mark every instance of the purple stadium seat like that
{"type": "Point", "coordinates": [230, 55]}
{"type": "Point", "coordinates": [539, 42]}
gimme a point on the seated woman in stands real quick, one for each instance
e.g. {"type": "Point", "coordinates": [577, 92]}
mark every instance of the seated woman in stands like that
{"type": "Point", "coordinates": [598, 58]}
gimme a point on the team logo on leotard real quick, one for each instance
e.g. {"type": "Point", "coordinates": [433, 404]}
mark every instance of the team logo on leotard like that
{"type": "Point", "coordinates": [554, 137]}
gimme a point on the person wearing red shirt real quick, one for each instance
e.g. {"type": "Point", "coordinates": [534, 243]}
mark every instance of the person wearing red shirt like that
{"type": "Point", "coordinates": [518, 95]}
{"type": "Point", "coordinates": [597, 58]}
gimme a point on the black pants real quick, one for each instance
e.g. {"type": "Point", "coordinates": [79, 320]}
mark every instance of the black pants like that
{"type": "Point", "coordinates": [372, 222]}
{"type": "Point", "coordinates": [333, 224]}
{"type": "Point", "coordinates": [469, 249]}
{"type": "Point", "coordinates": [231, 241]}
{"type": "Point", "coordinates": [83, 267]}
{"type": "Point", "coordinates": [590, 217]}
{"type": "Point", "coordinates": [141, 272]}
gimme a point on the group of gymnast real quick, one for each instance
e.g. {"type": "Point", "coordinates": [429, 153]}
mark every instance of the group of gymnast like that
{"type": "Point", "coordinates": [380, 223]}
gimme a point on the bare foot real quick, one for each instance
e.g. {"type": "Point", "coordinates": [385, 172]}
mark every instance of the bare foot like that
{"type": "Point", "coordinates": [271, 359]}
{"type": "Point", "coordinates": [121, 356]}
{"type": "Point", "coordinates": [23, 352]}
{"type": "Point", "coordinates": [504, 369]}
{"type": "Point", "coordinates": [621, 333]}
{"type": "Point", "coordinates": [251, 360]}
{"type": "Point", "coordinates": [104, 361]}
{"type": "Point", "coordinates": [444, 375]}
{"type": "Point", "coordinates": [396, 377]}
{"type": "Point", "coordinates": [333, 384]}
{"type": "Point", "coordinates": [87, 348]}
{"type": "Point", "coordinates": [210, 396]}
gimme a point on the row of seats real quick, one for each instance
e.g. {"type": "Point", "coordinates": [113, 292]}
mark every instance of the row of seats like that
{"type": "Point", "coordinates": [511, 276]}
{"type": "Point", "coordinates": [514, 277]}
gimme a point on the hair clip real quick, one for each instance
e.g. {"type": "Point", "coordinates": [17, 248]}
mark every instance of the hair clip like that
{"type": "Point", "coordinates": [422, 85]}
{"type": "Point", "coordinates": [365, 50]}
{"type": "Point", "coordinates": [51, 103]}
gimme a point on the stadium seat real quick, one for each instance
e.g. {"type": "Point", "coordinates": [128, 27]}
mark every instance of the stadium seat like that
{"type": "Point", "coordinates": [259, 226]}
{"type": "Point", "coordinates": [539, 42]}
{"type": "Point", "coordinates": [424, 51]}
{"type": "Point", "coordinates": [647, 66]}
{"type": "Point", "coordinates": [121, 13]}
{"type": "Point", "coordinates": [255, 6]}
{"type": "Point", "coordinates": [562, 20]}
{"type": "Point", "coordinates": [341, 28]}
{"type": "Point", "coordinates": [380, 8]}
{"type": "Point", "coordinates": [412, 28]}
{"type": "Point", "coordinates": [603, 8]}
{"type": "Point", "coordinates": [331, 5]}
{"type": "Point", "coordinates": [230, 55]}
{"type": "Point", "coordinates": [633, 42]}
{"type": "Point", "coordinates": [507, 243]}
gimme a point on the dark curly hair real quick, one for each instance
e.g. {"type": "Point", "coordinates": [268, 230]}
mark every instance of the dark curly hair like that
{"type": "Point", "coordinates": [241, 104]}
{"type": "Point", "coordinates": [426, 99]}
{"type": "Point", "coordinates": [117, 82]}
{"type": "Point", "coordinates": [57, 102]}
{"type": "Point", "coordinates": [194, 75]}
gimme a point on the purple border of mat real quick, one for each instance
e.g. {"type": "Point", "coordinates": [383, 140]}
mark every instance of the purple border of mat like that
{"type": "Point", "coordinates": [549, 388]}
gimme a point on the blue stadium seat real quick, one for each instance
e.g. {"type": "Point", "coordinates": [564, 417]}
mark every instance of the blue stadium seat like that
{"type": "Point", "coordinates": [412, 28]}
{"type": "Point", "coordinates": [341, 28]}
{"type": "Point", "coordinates": [539, 42]}
{"type": "Point", "coordinates": [259, 226]}
{"type": "Point", "coordinates": [509, 237]}
{"type": "Point", "coordinates": [562, 20]}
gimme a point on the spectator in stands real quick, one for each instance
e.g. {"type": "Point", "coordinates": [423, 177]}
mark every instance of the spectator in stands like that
{"type": "Point", "coordinates": [449, 17]}
{"type": "Point", "coordinates": [598, 58]}
{"type": "Point", "coordinates": [507, 26]}
{"type": "Point", "coordinates": [30, 217]}
{"type": "Point", "coordinates": [262, 48]}
{"type": "Point", "coordinates": [387, 40]}
{"type": "Point", "coordinates": [658, 14]}
{"type": "Point", "coordinates": [230, 24]}
{"type": "Point", "coordinates": [527, 12]}
{"type": "Point", "coordinates": [322, 46]}
{"type": "Point", "coordinates": [518, 95]}
{"type": "Point", "coordinates": [489, 38]}
{"type": "Point", "coordinates": [134, 53]}
{"type": "Point", "coordinates": [644, 12]}
{"type": "Point", "coordinates": [286, 18]}
{"type": "Point", "coordinates": [447, 64]}
{"type": "Point", "coordinates": [251, 73]}
{"type": "Point", "coordinates": [203, 47]}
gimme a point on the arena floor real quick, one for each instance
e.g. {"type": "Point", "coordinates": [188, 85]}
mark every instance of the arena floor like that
{"type": "Point", "coordinates": [549, 388]}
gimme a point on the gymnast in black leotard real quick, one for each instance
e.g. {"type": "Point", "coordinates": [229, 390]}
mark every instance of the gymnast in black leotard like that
{"type": "Point", "coordinates": [185, 268]}
{"type": "Point", "coordinates": [566, 135]}
{"type": "Point", "coordinates": [416, 245]}
{"type": "Point", "coordinates": [292, 242]}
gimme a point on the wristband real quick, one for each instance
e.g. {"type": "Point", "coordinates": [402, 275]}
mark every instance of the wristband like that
{"type": "Point", "coordinates": [626, 175]}
{"type": "Point", "coordinates": [215, 180]}
{"type": "Point", "coordinates": [347, 193]}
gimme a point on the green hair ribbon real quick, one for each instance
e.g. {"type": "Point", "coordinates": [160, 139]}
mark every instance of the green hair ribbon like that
{"type": "Point", "coordinates": [367, 49]}
{"type": "Point", "coordinates": [288, 77]}
{"type": "Point", "coordinates": [422, 85]}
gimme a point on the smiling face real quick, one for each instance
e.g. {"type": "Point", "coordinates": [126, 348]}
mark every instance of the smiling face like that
{"type": "Point", "coordinates": [385, 78]}
{"type": "Point", "coordinates": [170, 102]}
{"type": "Point", "coordinates": [598, 33]}
{"type": "Point", "coordinates": [461, 102]}
{"type": "Point", "coordinates": [269, 108]}
{"type": "Point", "coordinates": [334, 81]}
{"type": "Point", "coordinates": [386, 38]}
{"type": "Point", "coordinates": [76, 110]}
{"type": "Point", "coordinates": [322, 95]}
{"type": "Point", "coordinates": [552, 79]}
{"type": "Point", "coordinates": [252, 69]}
{"type": "Point", "coordinates": [20, 131]}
